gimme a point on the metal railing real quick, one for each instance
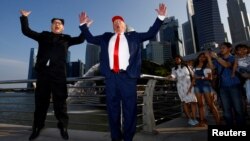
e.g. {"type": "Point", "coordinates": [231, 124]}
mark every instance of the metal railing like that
{"type": "Point", "coordinates": [158, 101]}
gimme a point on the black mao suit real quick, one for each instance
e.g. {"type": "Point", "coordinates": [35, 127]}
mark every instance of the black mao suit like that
{"type": "Point", "coordinates": [51, 72]}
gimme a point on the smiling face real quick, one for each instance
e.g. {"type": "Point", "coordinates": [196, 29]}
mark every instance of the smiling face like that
{"type": "Point", "coordinates": [119, 26]}
{"type": "Point", "coordinates": [57, 27]}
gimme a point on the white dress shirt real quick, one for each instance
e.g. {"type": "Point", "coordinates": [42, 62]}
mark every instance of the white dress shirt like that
{"type": "Point", "coordinates": [123, 52]}
{"type": "Point", "coordinates": [123, 49]}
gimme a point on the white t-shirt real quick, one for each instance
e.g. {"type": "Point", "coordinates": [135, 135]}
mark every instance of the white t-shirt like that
{"type": "Point", "coordinates": [206, 71]}
{"type": "Point", "coordinates": [244, 64]}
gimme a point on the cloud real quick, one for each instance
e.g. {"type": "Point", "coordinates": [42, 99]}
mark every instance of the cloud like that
{"type": "Point", "coordinates": [11, 69]}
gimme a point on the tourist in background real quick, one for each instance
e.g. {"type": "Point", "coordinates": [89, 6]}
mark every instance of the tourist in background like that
{"type": "Point", "coordinates": [241, 66]}
{"type": "Point", "coordinates": [229, 87]}
{"type": "Point", "coordinates": [203, 89]}
{"type": "Point", "coordinates": [183, 75]}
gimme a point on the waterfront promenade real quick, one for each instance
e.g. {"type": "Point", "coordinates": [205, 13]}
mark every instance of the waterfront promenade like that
{"type": "Point", "coordinates": [176, 129]}
{"type": "Point", "coordinates": [155, 102]}
{"type": "Point", "coordinates": [173, 130]}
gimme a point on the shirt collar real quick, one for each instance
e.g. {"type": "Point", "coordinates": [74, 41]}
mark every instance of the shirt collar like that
{"type": "Point", "coordinates": [120, 33]}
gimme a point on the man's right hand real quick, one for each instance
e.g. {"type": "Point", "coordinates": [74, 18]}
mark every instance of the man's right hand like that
{"type": "Point", "coordinates": [25, 13]}
{"type": "Point", "coordinates": [213, 54]}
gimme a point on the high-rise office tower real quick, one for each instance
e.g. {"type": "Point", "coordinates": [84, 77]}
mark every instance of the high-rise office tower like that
{"type": "Point", "coordinates": [169, 32]}
{"type": "Point", "coordinates": [68, 57]}
{"type": "Point", "coordinates": [155, 52]}
{"type": "Point", "coordinates": [92, 56]}
{"type": "Point", "coordinates": [188, 30]}
{"type": "Point", "coordinates": [32, 62]}
{"type": "Point", "coordinates": [207, 23]}
{"type": "Point", "coordinates": [238, 21]}
{"type": "Point", "coordinates": [75, 69]}
{"type": "Point", "coordinates": [187, 38]}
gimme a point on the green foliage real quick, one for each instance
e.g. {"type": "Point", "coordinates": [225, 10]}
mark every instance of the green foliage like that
{"type": "Point", "coordinates": [156, 69]}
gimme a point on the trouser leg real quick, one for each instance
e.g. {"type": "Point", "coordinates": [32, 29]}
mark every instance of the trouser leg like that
{"type": "Point", "coordinates": [113, 108]}
{"type": "Point", "coordinates": [59, 95]}
{"type": "Point", "coordinates": [129, 108]}
{"type": "Point", "coordinates": [42, 101]}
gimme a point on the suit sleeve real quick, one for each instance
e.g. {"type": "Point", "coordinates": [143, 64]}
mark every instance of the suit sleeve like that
{"type": "Point", "coordinates": [89, 37]}
{"type": "Point", "coordinates": [26, 29]}
{"type": "Point", "coordinates": [152, 31]}
{"type": "Point", "coordinates": [77, 40]}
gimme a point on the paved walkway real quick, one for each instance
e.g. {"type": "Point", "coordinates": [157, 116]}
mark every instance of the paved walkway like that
{"type": "Point", "coordinates": [174, 130]}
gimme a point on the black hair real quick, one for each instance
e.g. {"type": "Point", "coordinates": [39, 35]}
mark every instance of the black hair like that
{"type": "Point", "coordinates": [182, 62]}
{"type": "Point", "coordinates": [227, 44]}
{"type": "Point", "coordinates": [196, 62]}
{"type": "Point", "coordinates": [238, 46]}
{"type": "Point", "coordinates": [62, 20]}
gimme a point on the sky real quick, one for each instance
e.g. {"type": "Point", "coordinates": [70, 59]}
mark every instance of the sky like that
{"type": "Point", "coordinates": [139, 14]}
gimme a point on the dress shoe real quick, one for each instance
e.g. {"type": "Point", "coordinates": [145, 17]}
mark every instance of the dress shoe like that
{"type": "Point", "coordinates": [64, 133]}
{"type": "Point", "coordinates": [35, 133]}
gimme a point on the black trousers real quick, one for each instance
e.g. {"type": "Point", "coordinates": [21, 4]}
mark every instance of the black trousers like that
{"type": "Point", "coordinates": [44, 90]}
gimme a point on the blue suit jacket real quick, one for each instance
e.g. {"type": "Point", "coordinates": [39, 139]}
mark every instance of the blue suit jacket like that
{"type": "Point", "coordinates": [134, 43]}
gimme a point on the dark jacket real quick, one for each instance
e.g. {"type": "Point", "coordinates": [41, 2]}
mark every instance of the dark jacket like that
{"type": "Point", "coordinates": [53, 47]}
{"type": "Point", "coordinates": [135, 41]}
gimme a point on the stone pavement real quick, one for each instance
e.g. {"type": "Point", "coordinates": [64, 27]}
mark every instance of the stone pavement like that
{"type": "Point", "coordinates": [174, 130]}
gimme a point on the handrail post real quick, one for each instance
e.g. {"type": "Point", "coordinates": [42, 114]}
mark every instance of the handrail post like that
{"type": "Point", "coordinates": [148, 112]}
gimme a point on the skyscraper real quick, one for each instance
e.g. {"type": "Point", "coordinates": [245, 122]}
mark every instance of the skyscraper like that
{"type": "Point", "coordinates": [75, 69]}
{"type": "Point", "coordinates": [32, 62]}
{"type": "Point", "coordinates": [155, 52]}
{"type": "Point", "coordinates": [238, 21]}
{"type": "Point", "coordinates": [188, 30]}
{"type": "Point", "coordinates": [207, 23]}
{"type": "Point", "coordinates": [92, 56]}
{"type": "Point", "coordinates": [187, 38]}
{"type": "Point", "coordinates": [169, 32]}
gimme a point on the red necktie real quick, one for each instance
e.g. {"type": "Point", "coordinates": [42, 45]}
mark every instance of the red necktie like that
{"type": "Point", "coordinates": [116, 54]}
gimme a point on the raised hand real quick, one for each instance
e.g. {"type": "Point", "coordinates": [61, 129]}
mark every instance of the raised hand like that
{"type": "Point", "coordinates": [213, 54]}
{"type": "Point", "coordinates": [25, 13]}
{"type": "Point", "coordinates": [162, 10]}
{"type": "Point", "coordinates": [207, 54]}
{"type": "Point", "coordinates": [84, 19]}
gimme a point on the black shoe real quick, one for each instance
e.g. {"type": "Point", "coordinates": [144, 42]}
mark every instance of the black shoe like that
{"type": "Point", "coordinates": [64, 133]}
{"type": "Point", "coordinates": [35, 133]}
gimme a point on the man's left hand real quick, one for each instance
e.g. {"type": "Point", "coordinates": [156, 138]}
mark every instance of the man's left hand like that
{"type": "Point", "coordinates": [162, 10]}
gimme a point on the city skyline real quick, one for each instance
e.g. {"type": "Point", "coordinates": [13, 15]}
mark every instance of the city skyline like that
{"type": "Point", "coordinates": [15, 47]}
